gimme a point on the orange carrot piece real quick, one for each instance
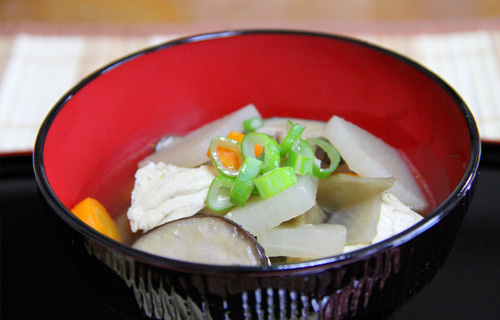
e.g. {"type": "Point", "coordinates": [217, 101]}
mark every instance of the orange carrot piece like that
{"type": "Point", "coordinates": [93, 213]}
{"type": "Point", "coordinates": [235, 135]}
{"type": "Point", "coordinates": [258, 150]}
{"type": "Point", "coordinates": [354, 174]}
{"type": "Point", "coordinates": [229, 158]}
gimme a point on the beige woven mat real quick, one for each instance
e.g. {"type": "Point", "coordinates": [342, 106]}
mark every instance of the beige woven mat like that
{"type": "Point", "coordinates": [38, 64]}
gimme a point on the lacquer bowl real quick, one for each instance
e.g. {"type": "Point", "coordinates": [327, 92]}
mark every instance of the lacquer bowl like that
{"type": "Point", "coordinates": [92, 140]}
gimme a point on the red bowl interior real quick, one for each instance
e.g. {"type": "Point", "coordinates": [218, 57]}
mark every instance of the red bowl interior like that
{"type": "Point", "coordinates": [108, 122]}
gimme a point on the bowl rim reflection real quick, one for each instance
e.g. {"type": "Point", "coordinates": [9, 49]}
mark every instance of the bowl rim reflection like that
{"type": "Point", "coordinates": [465, 184]}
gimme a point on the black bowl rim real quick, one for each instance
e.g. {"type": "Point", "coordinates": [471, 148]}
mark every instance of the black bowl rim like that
{"type": "Point", "coordinates": [465, 184]}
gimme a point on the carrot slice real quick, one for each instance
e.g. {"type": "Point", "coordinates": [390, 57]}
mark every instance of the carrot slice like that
{"type": "Point", "coordinates": [93, 213]}
{"type": "Point", "coordinates": [354, 174]}
{"type": "Point", "coordinates": [229, 158]}
{"type": "Point", "coordinates": [235, 135]}
{"type": "Point", "coordinates": [238, 136]}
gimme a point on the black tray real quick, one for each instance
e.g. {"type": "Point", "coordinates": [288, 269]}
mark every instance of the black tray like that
{"type": "Point", "coordinates": [37, 282]}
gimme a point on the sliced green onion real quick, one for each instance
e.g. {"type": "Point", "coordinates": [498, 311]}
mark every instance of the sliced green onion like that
{"type": "Point", "coordinates": [301, 157]}
{"type": "Point", "coordinates": [253, 124]}
{"type": "Point", "coordinates": [219, 194]}
{"type": "Point", "coordinates": [255, 192]}
{"type": "Point", "coordinates": [243, 185]}
{"type": "Point", "coordinates": [275, 181]}
{"type": "Point", "coordinates": [214, 156]}
{"type": "Point", "coordinates": [333, 156]}
{"type": "Point", "coordinates": [271, 158]}
{"type": "Point", "coordinates": [293, 134]}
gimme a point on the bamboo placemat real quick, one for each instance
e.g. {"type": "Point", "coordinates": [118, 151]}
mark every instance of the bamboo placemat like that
{"type": "Point", "coordinates": [39, 64]}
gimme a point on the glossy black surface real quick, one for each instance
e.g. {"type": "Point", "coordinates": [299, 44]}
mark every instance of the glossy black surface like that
{"type": "Point", "coordinates": [36, 280]}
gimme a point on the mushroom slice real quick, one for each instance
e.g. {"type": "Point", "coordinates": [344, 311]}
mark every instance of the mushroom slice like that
{"type": "Point", "coordinates": [203, 239]}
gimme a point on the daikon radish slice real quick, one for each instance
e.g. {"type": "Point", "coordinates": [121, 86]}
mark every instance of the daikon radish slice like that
{"type": "Point", "coordinates": [258, 216]}
{"type": "Point", "coordinates": [306, 241]}
{"type": "Point", "coordinates": [315, 215]}
{"type": "Point", "coordinates": [370, 156]}
{"type": "Point", "coordinates": [191, 150]}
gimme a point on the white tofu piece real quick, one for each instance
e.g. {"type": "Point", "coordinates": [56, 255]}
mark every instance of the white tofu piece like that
{"type": "Point", "coordinates": [395, 217]}
{"type": "Point", "coordinates": [164, 192]}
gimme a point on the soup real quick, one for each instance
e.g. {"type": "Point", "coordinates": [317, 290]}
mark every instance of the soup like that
{"type": "Point", "coordinates": [278, 190]}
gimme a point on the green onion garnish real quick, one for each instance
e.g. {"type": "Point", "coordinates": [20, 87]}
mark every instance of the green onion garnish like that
{"type": "Point", "coordinates": [266, 175]}
{"type": "Point", "coordinates": [301, 157]}
{"type": "Point", "coordinates": [219, 194]}
{"type": "Point", "coordinates": [275, 181]}
{"type": "Point", "coordinates": [244, 183]}
{"type": "Point", "coordinates": [253, 124]}
{"type": "Point", "coordinates": [216, 161]}
{"type": "Point", "coordinates": [333, 156]}
{"type": "Point", "coordinates": [293, 134]}
{"type": "Point", "coordinates": [271, 153]}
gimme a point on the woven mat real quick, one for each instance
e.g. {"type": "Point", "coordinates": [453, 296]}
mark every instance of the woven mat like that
{"type": "Point", "coordinates": [39, 64]}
